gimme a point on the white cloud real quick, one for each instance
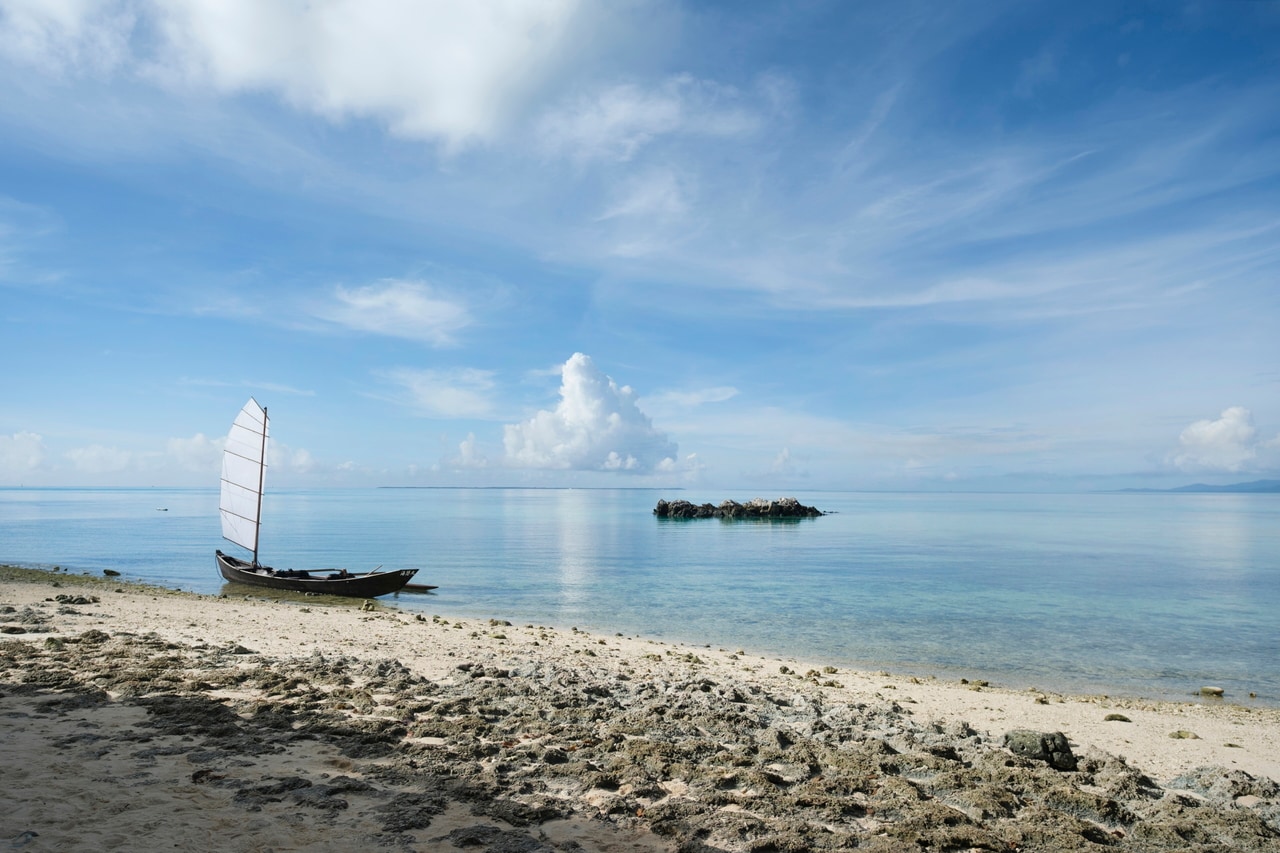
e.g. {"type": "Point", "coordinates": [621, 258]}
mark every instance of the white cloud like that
{"type": "Point", "coordinates": [20, 452]}
{"type": "Point", "coordinates": [461, 393]}
{"type": "Point", "coordinates": [469, 454]}
{"type": "Point", "coordinates": [596, 426]}
{"type": "Point", "coordinates": [617, 122]}
{"type": "Point", "coordinates": [297, 461]}
{"type": "Point", "coordinates": [1229, 443]}
{"type": "Point", "coordinates": [690, 467]}
{"type": "Point", "coordinates": [198, 453]}
{"type": "Point", "coordinates": [402, 309]}
{"type": "Point", "coordinates": [655, 195]}
{"type": "Point", "coordinates": [429, 69]}
{"type": "Point", "coordinates": [58, 35]}
{"type": "Point", "coordinates": [696, 397]}
{"type": "Point", "coordinates": [98, 459]}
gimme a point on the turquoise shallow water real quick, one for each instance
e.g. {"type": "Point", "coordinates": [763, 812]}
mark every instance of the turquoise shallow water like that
{"type": "Point", "coordinates": [1147, 594]}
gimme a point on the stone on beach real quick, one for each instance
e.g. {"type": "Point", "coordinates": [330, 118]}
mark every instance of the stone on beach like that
{"type": "Point", "coordinates": [1050, 747]}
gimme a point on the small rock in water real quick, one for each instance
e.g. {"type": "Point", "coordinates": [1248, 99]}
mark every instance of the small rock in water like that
{"type": "Point", "coordinates": [758, 508]}
{"type": "Point", "coordinates": [111, 573]}
{"type": "Point", "coordinates": [1212, 691]}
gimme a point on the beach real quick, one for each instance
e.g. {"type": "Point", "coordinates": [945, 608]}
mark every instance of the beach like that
{"type": "Point", "coordinates": [140, 717]}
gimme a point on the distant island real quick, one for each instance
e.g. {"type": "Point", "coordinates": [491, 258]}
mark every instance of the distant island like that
{"type": "Point", "coordinates": [1256, 487]}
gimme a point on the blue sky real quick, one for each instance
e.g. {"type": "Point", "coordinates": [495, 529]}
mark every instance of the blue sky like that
{"type": "Point", "coordinates": [740, 248]}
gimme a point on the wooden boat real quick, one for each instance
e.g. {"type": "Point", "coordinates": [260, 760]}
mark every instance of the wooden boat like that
{"type": "Point", "coordinates": [325, 582]}
{"type": "Point", "coordinates": [244, 466]}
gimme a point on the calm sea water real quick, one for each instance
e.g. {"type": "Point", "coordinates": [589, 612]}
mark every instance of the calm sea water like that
{"type": "Point", "coordinates": [1146, 594]}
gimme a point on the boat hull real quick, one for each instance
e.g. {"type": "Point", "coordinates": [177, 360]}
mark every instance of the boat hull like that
{"type": "Point", "coordinates": [368, 585]}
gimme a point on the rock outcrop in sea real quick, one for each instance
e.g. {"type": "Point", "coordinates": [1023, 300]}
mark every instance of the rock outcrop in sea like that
{"type": "Point", "coordinates": [752, 509]}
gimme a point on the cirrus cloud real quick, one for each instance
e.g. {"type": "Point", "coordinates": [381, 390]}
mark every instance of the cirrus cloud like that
{"type": "Point", "coordinates": [616, 123]}
{"type": "Point", "coordinates": [398, 308]}
{"type": "Point", "coordinates": [460, 393]}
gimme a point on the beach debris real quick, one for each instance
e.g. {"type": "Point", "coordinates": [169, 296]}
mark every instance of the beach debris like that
{"type": "Point", "coordinates": [1116, 718]}
{"type": "Point", "coordinates": [1050, 747]}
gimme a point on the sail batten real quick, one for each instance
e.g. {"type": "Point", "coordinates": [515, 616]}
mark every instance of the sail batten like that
{"type": "Point", "coordinates": [243, 472]}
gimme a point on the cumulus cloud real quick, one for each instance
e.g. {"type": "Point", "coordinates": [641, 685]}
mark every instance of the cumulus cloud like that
{"type": "Point", "coordinates": [1229, 443]}
{"type": "Point", "coordinates": [396, 308]}
{"type": "Point", "coordinates": [20, 452]}
{"type": "Point", "coordinates": [596, 426]}
{"type": "Point", "coordinates": [469, 453]}
{"type": "Point", "coordinates": [297, 461]}
{"type": "Point", "coordinates": [461, 393]}
{"type": "Point", "coordinates": [198, 453]}
{"type": "Point", "coordinates": [429, 69]}
{"type": "Point", "coordinates": [98, 459]}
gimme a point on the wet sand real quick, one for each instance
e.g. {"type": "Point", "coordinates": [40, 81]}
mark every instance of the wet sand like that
{"type": "Point", "coordinates": [146, 718]}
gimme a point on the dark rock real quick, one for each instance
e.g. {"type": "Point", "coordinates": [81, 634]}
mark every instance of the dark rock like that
{"type": "Point", "coordinates": [1050, 747]}
{"type": "Point", "coordinates": [758, 508]}
{"type": "Point", "coordinates": [409, 811]}
{"type": "Point", "coordinates": [76, 599]}
{"type": "Point", "coordinates": [495, 840]}
{"type": "Point", "coordinates": [1221, 786]}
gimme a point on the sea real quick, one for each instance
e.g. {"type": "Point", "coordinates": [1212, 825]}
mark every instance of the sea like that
{"type": "Point", "coordinates": [1150, 594]}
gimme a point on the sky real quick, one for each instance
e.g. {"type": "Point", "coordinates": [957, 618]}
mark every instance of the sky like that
{"type": "Point", "coordinates": [736, 248]}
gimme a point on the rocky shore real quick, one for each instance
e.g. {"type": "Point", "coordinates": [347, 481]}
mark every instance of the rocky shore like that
{"type": "Point", "coordinates": [757, 508]}
{"type": "Point", "coordinates": [144, 718]}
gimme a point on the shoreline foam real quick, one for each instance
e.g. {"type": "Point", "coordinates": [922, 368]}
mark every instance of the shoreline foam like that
{"type": "Point", "coordinates": [618, 743]}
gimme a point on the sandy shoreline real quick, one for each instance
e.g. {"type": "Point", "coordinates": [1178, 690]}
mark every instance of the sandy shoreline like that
{"type": "Point", "coordinates": [152, 718]}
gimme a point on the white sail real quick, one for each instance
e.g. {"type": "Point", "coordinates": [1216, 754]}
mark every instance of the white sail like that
{"type": "Point", "coordinates": [244, 465]}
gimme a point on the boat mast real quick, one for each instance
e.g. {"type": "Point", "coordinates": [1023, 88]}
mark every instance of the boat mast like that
{"type": "Point", "coordinates": [262, 472]}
